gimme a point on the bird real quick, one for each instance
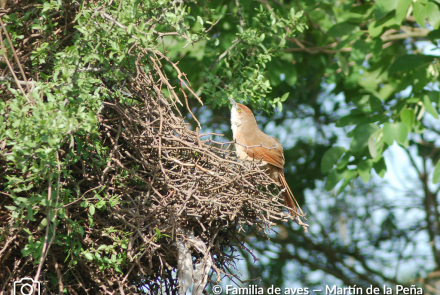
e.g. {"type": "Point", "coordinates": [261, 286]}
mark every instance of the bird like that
{"type": "Point", "coordinates": [253, 144]}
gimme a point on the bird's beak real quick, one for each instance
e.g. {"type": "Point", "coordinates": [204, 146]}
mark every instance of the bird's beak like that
{"type": "Point", "coordinates": [234, 103]}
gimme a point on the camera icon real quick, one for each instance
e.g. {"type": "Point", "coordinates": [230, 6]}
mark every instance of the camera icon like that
{"type": "Point", "coordinates": [26, 286]}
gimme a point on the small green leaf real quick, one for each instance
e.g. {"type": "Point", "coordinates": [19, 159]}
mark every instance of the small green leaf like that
{"type": "Point", "coordinates": [402, 9]}
{"type": "Point", "coordinates": [376, 47]}
{"type": "Point", "coordinates": [364, 169]}
{"type": "Point", "coordinates": [434, 97]}
{"type": "Point", "coordinates": [280, 106]}
{"type": "Point", "coordinates": [331, 157]}
{"type": "Point", "coordinates": [407, 116]}
{"type": "Point", "coordinates": [200, 20]}
{"type": "Point", "coordinates": [341, 29]}
{"type": "Point", "coordinates": [102, 247]}
{"type": "Point", "coordinates": [285, 96]}
{"type": "Point", "coordinates": [428, 107]}
{"type": "Point", "coordinates": [375, 143]}
{"type": "Point", "coordinates": [88, 255]}
{"type": "Point", "coordinates": [333, 178]}
{"type": "Point", "coordinates": [92, 210]}
{"type": "Point", "coordinates": [376, 27]}
{"type": "Point", "coordinates": [433, 14]}
{"type": "Point", "coordinates": [388, 133]}
{"type": "Point", "coordinates": [342, 61]}
{"type": "Point", "coordinates": [344, 161]}
{"type": "Point", "coordinates": [401, 132]}
{"type": "Point", "coordinates": [383, 7]}
{"type": "Point", "coordinates": [395, 131]}
{"type": "Point", "coordinates": [361, 136]}
{"type": "Point", "coordinates": [380, 167]}
{"type": "Point", "coordinates": [349, 175]}
{"type": "Point", "coordinates": [419, 13]}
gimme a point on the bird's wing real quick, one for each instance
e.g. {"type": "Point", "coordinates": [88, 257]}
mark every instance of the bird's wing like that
{"type": "Point", "coordinates": [271, 151]}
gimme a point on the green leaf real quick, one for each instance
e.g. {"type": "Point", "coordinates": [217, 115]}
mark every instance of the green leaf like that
{"type": "Point", "coordinates": [375, 143]}
{"type": "Point", "coordinates": [402, 9]}
{"type": "Point", "coordinates": [92, 209]}
{"type": "Point", "coordinates": [376, 47]}
{"type": "Point", "coordinates": [333, 178]}
{"type": "Point", "coordinates": [285, 96]}
{"type": "Point", "coordinates": [344, 161]}
{"type": "Point", "coordinates": [376, 27]}
{"type": "Point", "coordinates": [359, 51]}
{"type": "Point", "coordinates": [433, 14]}
{"type": "Point", "coordinates": [436, 174]}
{"type": "Point", "coordinates": [428, 107]}
{"type": "Point", "coordinates": [364, 169]}
{"type": "Point", "coordinates": [406, 62]}
{"type": "Point", "coordinates": [434, 97]}
{"type": "Point", "coordinates": [341, 29]}
{"type": "Point", "coordinates": [419, 13]}
{"type": "Point", "coordinates": [200, 20]}
{"type": "Point", "coordinates": [361, 136]}
{"type": "Point", "coordinates": [342, 61]}
{"type": "Point", "coordinates": [380, 167]}
{"type": "Point", "coordinates": [118, 269]}
{"type": "Point", "coordinates": [388, 133]}
{"type": "Point", "coordinates": [349, 175]}
{"type": "Point", "coordinates": [331, 157]}
{"type": "Point", "coordinates": [42, 224]}
{"type": "Point", "coordinates": [395, 131]}
{"type": "Point", "coordinates": [401, 132]}
{"type": "Point", "coordinates": [383, 7]}
{"type": "Point", "coordinates": [88, 255]}
{"type": "Point", "coordinates": [102, 247]}
{"type": "Point", "coordinates": [348, 39]}
{"type": "Point", "coordinates": [407, 116]}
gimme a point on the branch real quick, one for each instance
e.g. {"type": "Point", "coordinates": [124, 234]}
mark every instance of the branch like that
{"type": "Point", "coordinates": [408, 33]}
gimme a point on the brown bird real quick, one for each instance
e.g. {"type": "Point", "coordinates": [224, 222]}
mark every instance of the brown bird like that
{"type": "Point", "coordinates": [252, 143]}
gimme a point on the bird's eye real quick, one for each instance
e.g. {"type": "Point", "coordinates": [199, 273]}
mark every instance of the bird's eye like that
{"type": "Point", "coordinates": [239, 110]}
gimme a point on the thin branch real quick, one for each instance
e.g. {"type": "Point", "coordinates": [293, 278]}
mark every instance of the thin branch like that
{"type": "Point", "coordinates": [46, 245]}
{"type": "Point", "coordinates": [14, 53]}
{"type": "Point", "coordinates": [11, 69]}
{"type": "Point", "coordinates": [21, 82]}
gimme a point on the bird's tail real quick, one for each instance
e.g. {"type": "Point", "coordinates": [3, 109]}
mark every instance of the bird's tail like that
{"type": "Point", "coordinates": [290, 201]}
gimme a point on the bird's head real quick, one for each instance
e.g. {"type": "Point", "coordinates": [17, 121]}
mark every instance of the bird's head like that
{"type": "Point", "coordinates": [240, 113]}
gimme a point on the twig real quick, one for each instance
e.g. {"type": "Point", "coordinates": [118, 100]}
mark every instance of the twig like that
{"type": "Point", "coordinates": [14, 53]}
{"type": "Point", "coordinates": [46, 246]}
{"type": "Point", "coordinates": [11, 69]}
